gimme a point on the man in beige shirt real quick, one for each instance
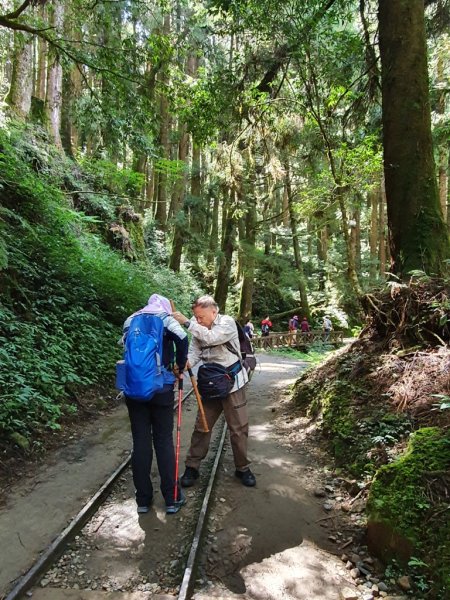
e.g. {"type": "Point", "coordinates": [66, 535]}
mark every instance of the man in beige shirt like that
{"type": "Point", "coordinates": [211, 333]}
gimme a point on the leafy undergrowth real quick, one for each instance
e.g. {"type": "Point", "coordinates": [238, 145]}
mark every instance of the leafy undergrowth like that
{"type": "Point", "coordinates": [65, 290]}
{"type": "Point", "coordinates": [382, 405]}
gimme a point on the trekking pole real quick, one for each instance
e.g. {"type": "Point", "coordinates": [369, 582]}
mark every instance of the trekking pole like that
{"type": "Point", "coordinates": [196, 392]}
{"type": "Point", "coordinates": [177, 450]}
{"type": "Point", "coordinates": [199, 401]}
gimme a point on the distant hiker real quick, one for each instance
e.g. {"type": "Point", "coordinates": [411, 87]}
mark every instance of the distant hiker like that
{"type": "Point", "coordinates": [305, 329]}
{"type": "Point", "coordinates": [293, 327]}
{"type": "Point", "coordinates": [266, 325]}
{"type": "Point", "coordinates": [327, 326]}
{"type": "Point", "coordinates": [249, 329]}
{"type": "Point", "coordinates": [150, 335]}
{"type": "Point", "coordinates": [221, 380]}
{"type": "Point", "coordinates": [293, 323]}
{"type": "Point", "coordinates": [304, 326]}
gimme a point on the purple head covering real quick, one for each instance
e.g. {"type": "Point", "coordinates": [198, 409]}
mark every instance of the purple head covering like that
{"type": "Point", "coordinates": [157, 304]}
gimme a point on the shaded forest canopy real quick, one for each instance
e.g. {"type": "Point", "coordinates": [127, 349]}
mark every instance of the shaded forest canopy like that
{"type": "Point", "coordinates": [255, 134]}
{"type": "Point", "coordinates": [237, 144]}
{"type": "Point", "coordinates": [266, 154]}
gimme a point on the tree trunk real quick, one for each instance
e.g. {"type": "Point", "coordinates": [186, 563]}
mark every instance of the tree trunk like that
{"type": "Point", "coordinates": [225, 259]}
{"type": "Point", "coordinates": [179, 205]}
{"type": "Point", "coordinates": [352, 275]}
{"type": "Point", "coordinates": [382, 246]}
{"type": "Point", "coordinates": [417, 234]}
{"type": "Point", "coordinates": [19, 95]}
{"type": "Point", "coordinates": [448, 194]}
{"type": "Point", "coordinates": [443, 180]}
{"type": "Point", "coordinates": [248, 241]}
{"type": "Point", "coordinates": [42, 52]}
{"type": "Point", "coordinates": [355, 235]}
{"type": "Point", "coordinates": [214, 233]}
{"type": "Point", "coordinates": [240, 263]}
{"type": "Point", "coordinates": [322, 254]}
{"type": "Point", "coordinates": [374, 195]}
{"type": "Point", "coordinates": [295, 242]}
{"type": "Point", "coordinates": [53, 100]}
{"type": "Point", "coordinates": [443, 150]}
{"type": "Point", "coordinates": [197, 214]}
{"type": "Point", "coordinates": [248, 256]}
{"type": "Point", "coordinates": [71, 90]}
{"type": "Point", "coordinates": [164, 129]}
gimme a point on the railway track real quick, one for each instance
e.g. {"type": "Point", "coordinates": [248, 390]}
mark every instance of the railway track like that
{"type": "Point", "coordinates": [271, 541]}
{"type": "Point", "coordinates": [98, 551]}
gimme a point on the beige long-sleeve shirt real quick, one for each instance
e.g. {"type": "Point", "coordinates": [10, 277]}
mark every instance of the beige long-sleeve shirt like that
{"type": "Point", "coordinates": [208, 345]}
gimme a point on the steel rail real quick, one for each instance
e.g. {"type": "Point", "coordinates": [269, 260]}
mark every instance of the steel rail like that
{"type": "Point", "coordinates": [56, 548]}
{"type": "Point", "coordinates": [187, 582]}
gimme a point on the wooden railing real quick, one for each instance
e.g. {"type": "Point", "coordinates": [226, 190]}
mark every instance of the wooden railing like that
{"type": "Point", "coordinates": [297, 339]}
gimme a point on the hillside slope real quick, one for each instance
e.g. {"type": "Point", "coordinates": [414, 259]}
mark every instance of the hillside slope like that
{"type": "Point", "coordinates": [75, 261]}
{"type": "Point", "coordinates": [383, 406]}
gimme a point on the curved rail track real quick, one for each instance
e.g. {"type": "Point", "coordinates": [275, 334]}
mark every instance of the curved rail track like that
{"type": "Point", "coordinates": [55, 550]}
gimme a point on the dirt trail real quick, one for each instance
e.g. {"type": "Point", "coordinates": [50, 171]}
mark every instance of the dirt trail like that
{"type": "Point", "coordinates": [40, 506]}
{"type": "Point", "coordinates": [266, 542]}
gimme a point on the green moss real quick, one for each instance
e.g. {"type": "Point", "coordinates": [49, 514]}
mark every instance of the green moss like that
{"type": "Point", "coordinates": [136, 232]}
{"type": "Point", "coordinates": [405, 497]}
{"type": "Point", "coordinates": [305, 392]}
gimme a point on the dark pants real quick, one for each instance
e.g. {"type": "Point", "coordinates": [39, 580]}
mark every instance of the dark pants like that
{"type": "Point", "coordinates": [152, 424]}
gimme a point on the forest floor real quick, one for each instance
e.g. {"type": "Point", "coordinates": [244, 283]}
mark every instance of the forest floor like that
{"type": "Point", "coordinates": [285, 539]}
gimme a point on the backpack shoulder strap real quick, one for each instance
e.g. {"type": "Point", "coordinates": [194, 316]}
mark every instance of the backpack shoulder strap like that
{"type": "Point", "coordinates": [228, 345]}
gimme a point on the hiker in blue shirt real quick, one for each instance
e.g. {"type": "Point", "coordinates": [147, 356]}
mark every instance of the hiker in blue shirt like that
{"type": "Point", "coordinates": [152, 420]}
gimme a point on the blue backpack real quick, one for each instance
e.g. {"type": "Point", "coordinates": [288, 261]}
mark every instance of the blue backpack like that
{"type": "Point", "coordinates": [144, 371]}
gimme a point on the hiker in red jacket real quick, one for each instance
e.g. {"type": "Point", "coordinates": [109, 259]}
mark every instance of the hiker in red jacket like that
{"type": "Point", "coordinates": [266, 325]}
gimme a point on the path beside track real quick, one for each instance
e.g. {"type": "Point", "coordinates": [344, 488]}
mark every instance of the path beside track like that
{"type": "Point", "coordinates": [272, 542]}
{"type": "Point", "coordinates": [40, 506]}
{"type": "Point", "coordinates": [265, 542]}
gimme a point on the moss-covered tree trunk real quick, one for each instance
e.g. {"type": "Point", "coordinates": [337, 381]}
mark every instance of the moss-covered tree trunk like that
{"type": "Point", "coordinates": [443, 144]}
{"type": "Point", "coordinates": [53, 102]}
{"type": "Point", "coordinates": [72, 89]}
{"type": "Point", "coordinates": [352, 275]}
{"type": "Point", "coordinates": [417, 234]}
{"type": "Point", "coordinates": [19, 95]}
{"type": "Point", "coordinates": [41, 61]}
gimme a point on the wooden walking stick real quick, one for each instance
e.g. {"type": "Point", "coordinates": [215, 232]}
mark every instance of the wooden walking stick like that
{"type": "Point", "coordinates": [199, 401]}
{"type": "Point", "coordinates": [196, 392]}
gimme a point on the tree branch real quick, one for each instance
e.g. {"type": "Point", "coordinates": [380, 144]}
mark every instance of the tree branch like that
{"type": "Point", "coordinates": [53, 42]}
{"type": "Point", "coordinates": [19, 11]}
{"type": "Point", "coordinates": [282, 53]}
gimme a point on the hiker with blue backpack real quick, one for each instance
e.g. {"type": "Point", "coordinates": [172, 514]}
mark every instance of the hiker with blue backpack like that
{"type": "Point", "coordinates": [221, 379]}
{"type": "Point", "coordinates": [155, 346]}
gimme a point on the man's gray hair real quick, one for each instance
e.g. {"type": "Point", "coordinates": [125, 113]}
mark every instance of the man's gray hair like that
{"type": "Point", "coordinates": [205, 302]}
